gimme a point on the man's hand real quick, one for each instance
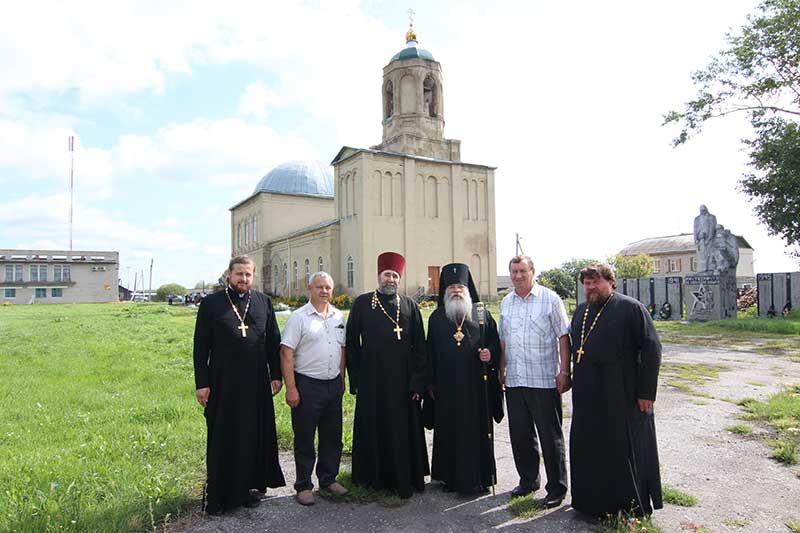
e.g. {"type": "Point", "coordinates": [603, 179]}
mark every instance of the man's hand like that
{"type": "Point", "coordinates": [202, 395]}
{"type": "Point", "coordinates": [276, 386]}
{"type": "Point", "coordinates": [645, 406]}
{"type": "Point", "coordinates": [415, 397]}
{"type": "Point", "coordinates": [292, 397]}
{"type": "Point", "coordinates": [563, 382]}
{"type": "Point", "coordinates": [485, 355]}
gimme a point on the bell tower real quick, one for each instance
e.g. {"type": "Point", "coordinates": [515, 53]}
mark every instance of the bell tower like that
{"type": "Point", "coordinates": [413, 104]}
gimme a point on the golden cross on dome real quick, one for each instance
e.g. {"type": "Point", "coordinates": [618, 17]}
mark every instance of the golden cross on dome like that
{"type": "Point", "coordinates": [411, 14]}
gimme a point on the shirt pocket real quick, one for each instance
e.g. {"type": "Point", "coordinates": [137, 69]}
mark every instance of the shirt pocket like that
{"type": "Point", "coordinates": [539, 325]}
{"type": "Point", "coordinates": [339, 336]}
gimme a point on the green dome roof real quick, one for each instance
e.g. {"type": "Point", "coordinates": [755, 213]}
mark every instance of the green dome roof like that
{"type": "Point", "coordinates": [412, 52]}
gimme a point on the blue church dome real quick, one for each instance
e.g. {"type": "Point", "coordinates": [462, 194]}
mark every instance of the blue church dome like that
{"type": "Point", "coordinates": [305, 178]}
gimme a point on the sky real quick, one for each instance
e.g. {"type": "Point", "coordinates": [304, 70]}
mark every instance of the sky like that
{"type": "Point", "coordinates": [178, 109]}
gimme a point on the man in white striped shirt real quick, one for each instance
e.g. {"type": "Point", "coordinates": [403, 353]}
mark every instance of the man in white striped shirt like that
{"type": "Point", "coordinates": [534, 367]}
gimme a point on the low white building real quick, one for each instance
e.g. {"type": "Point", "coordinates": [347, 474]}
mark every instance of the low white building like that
{"type": "Point", "coordinates": [58, 276]}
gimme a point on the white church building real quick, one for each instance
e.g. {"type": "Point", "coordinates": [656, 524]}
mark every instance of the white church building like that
{"type": "Point", "coordinates": [410, 194]}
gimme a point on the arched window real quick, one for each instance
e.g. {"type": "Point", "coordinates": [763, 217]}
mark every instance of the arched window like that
{"type": "Point", "coordinates": [429, 96]}
{"type": "Point", "coordinates": [388, 100]}
{"type": "Point", "coordinates": [320, 265]}
{"type": "Point", "coordinates": [255, 229]}
{"type": "Point", "coordinates": [246, 232]}
{"type": "Point", "coordinates": [275, 279]}
{"type": "Point", "coordinates": [285, 278]}
{"type": "Point", "coordinates": [239, 236]}
{"type": "Point", "coordinates": [294, 276]}
{"type": "Point", "coordinates": [308, 271]}
{"type": "Point", "coordinates": [350, 272]}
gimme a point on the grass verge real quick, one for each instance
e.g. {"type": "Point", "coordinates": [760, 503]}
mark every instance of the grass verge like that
{"type": "Point", "coordinates": [781, 412]}
{"type": "Point", "coordinates": [676, 497]}
{"type": "Point", "coordinates": [359, 494]}
{"type": "Point", "coordinates": [525, 507]}
{"type": "Point", "coordinates": [626, 523]}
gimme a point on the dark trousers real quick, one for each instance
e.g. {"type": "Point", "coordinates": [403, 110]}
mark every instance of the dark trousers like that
{"type": "Point", "coordinates": [532, 411]}
{"type": "Point", "coordinates": [320, 409]}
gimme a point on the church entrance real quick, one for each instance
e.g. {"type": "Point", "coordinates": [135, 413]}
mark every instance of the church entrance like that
{"type": "Point", "coordinates": [433, 280]}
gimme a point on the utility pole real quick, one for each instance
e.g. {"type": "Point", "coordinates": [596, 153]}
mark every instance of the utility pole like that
{"type": "Point", "coordinates": [519, 245]}
{"type": "Point", "coordinates": [150, 286]}
{"type": "Point", "coordinates": [71, 184]}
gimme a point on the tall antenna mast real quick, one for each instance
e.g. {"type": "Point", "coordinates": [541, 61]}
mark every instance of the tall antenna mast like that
{"type": "Point", "coordinates": [519, 245]}
{"type": "Point", "coordinates": [71, 184]}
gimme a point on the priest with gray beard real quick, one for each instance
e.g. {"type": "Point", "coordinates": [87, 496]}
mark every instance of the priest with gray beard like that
{"type": "Point", "coordinates": [466, 402]}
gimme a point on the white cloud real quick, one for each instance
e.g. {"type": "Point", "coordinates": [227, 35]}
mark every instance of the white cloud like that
{"type": "Point", "coordinates": [258, 100]}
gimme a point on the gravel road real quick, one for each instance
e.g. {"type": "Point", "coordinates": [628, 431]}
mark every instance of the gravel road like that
{"type": "Point", "coordinates": [737, 485]}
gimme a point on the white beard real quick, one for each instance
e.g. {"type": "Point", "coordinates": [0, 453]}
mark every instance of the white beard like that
{"type": "Point", "coordinates": [456, 308]}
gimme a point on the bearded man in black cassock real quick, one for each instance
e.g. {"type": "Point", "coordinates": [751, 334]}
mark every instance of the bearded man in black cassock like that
{"type": "Point", "coordinates": [616, 358]}
{"type": "Point", "coordinates": [386, 368]}
{"type": "Point", "coordinates": [236, 354]}
{"type": "Point", "coordinates": [463, 358]}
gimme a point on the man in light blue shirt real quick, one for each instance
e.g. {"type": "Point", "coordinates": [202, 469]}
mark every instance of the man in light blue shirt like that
{"type": "Point", "coordinates": [534, 366]}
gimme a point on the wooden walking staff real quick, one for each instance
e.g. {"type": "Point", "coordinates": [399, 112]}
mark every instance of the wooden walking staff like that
{"type": "Point", "coordinates": [481, 312]}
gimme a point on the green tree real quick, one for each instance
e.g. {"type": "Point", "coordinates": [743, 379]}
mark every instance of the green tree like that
{"type": "Point", "coordinates": [574, 266]}
{"type": "Point", "coordinates": [632, 266]}
{"type": "Point", "coordinates": [170, 288]}
{"type": "Point", "coordinates": [759, 75]}
{"type": "Point", "coordinates": [558, 280]}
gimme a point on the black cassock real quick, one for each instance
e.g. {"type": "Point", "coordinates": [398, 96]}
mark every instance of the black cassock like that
{"type": "Point", "coordinates": [389, 450]}
{"type": "Point", "coordinates": [463, 453]}
{"type": "Point", "coordinates": [613, 451]}
{"type": "Point", "coordinates": [242, 447]}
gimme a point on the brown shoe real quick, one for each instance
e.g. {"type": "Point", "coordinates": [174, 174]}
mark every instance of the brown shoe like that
{"type": "Point", "coordinates": [335, 489]}
{"type": "Point", "coordinates": [305, 497]}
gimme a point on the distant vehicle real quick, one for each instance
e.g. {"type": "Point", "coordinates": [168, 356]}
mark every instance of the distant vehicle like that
{"type": "Point", "coordinates": [140, 298]}
{"type": "Point", "coordinates": [175, 299]}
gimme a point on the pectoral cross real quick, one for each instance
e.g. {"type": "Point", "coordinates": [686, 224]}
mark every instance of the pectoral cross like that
{"type": "Point", "coordinates": [243, 328]}
{"type": "Point", "coordinates": [397, 329]}
{"type": "Point", "coordinates": [579, 351]}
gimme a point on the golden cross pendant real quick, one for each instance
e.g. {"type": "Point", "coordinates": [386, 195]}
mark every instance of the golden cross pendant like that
{"type": "Point", "coordinates": [458, 336]}
{"type": "Point", "coordinates": [243, 328]}
{"type": "Point", "coordinates": [397, 330]}
{"type": "Point", "coordinates": [579, 351]}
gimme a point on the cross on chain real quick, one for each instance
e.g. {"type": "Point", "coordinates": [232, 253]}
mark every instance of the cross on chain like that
{"type": "Point", "coordinates": [243, 328]}
{"type": "Point", "coordinates": [397, 329]}
{"type": "Point", "coordinates": [579, 351]}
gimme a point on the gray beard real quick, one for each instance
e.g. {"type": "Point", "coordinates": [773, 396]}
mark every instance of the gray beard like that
{"type": "Point", "coordinates": [389, 289]}
{"type": "Point", "coordinates": [456, 308]}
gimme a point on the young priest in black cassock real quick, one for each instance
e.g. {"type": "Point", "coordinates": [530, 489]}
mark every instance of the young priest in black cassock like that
{"type": "Point", "coordinates": [465, 403]}
{"type": "Point", "coordinates": [236, 354]}
{"type": "Point", "coordinates": [386, 370]}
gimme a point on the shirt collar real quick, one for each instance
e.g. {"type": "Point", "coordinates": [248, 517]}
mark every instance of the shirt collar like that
{"type": "Point", "coordinates": [536, 290]}
{"type": "Point", "coordinates": [311, 310]}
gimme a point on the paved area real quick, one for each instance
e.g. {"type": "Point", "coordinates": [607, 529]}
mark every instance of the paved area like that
{"type": "Point", "coordinates": [737, 486]}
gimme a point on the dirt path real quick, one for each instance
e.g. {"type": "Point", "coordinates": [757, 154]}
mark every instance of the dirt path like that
{"type": "Point", "coordinates": [737, 486]}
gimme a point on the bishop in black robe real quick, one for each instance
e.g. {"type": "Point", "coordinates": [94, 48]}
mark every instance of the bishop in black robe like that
{"type": "Point", "coordinates": [465, 392]}
{"type": "Point", "coordinates": [242, 445]}
{"type": "Point", "coordinates": [384, 372]}
{"type": "Point", "coordinates": [613, 452]}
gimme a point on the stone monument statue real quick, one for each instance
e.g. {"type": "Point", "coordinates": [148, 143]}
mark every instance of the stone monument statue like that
{"type": "Point", "coordinates": [710, 294]}
{"type": "Point", "coordinates": [705, 229]}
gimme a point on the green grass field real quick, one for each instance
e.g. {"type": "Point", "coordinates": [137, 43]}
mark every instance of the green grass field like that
{"type": "Point", "coordinates": [99, 428]}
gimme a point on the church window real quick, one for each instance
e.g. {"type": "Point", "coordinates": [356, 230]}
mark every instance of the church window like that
{"type": "Point", "coordinates": [386, 194]}
{"type": "Point", "coordinates": [255, 229]}
{"type": "Point", "coordinates": [275, 278]}
{"type": "Point", "coordinates": [239, 236]}
{"type": "Point", "coordinates": [286, 277]}
{"type": "Point", "coordinates": [294, 276]}
{"type": "Point", "coordinates": [429, 96]}
{"type": "Point", "coordinates": [431, 198]}
{"type": "Point", "coordinates": [308, 271]}
{"type": "Point", "coordinates": [350, 272]}
{"type": "Point", "coordinates": [388, 99]}
{"type": "Point", "coordinates": [408, 94]}
{"type": "Point", "coordinates": [320, 265]}
{"type": "Point", "coordinates": [246, 233]}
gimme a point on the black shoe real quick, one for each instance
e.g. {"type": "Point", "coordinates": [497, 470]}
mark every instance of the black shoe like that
{"type": "Point", "coordinates": [254, 499]}
{"type": "Point", "coordinates": [446, 488]}
{"type": "Point", "coordinates": [521, 490]}
{"type": "Point", "coordinates": [551, 501]}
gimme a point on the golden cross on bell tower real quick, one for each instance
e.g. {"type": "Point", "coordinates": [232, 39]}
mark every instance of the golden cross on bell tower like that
{"type": "Point", "coordinates": [411, 35]}
{"type": "Point", "coordinates": [411, 14]}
